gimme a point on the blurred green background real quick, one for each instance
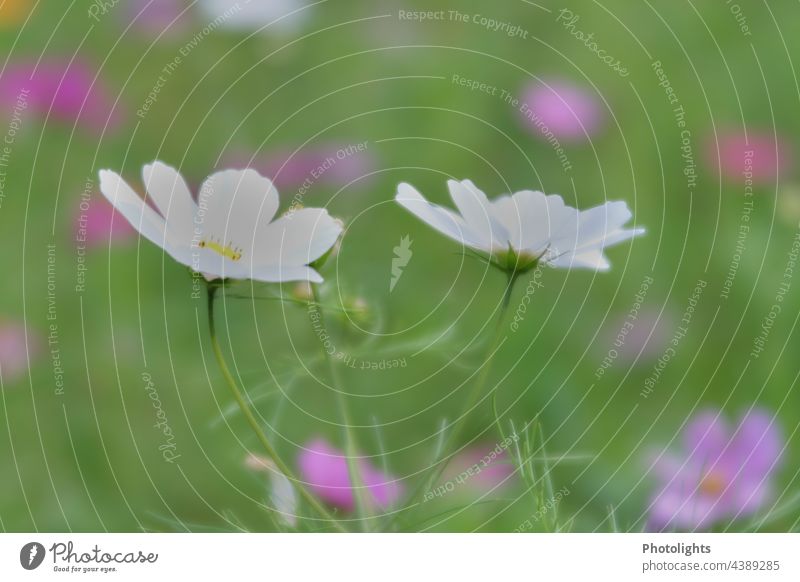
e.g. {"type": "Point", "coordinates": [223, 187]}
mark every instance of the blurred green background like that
{"type": "Point", "coordinates": [354, 72]}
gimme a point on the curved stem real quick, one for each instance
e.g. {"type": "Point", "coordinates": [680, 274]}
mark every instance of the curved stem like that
{"type": "Point", "coordinates": [351, 446]}
{"type": "Point", "coordinates": [253, 422]}
{"type": "Point", "coordinates": [473, 398]}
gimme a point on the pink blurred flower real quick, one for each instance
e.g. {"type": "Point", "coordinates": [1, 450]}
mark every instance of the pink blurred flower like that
{"type": "Point", "coordinates": [569, 111]}
{"type": "Point", "coordinates": [68, 92]}
{"type": "Point", "coordinates": [154, 17]}
{"type": "Point", "coordinates": [760, 156]}
{"type": "Point", "coordinates": [96, 224]}
{"type": "Point", "coordinates": [722, 474]}
{"type": "Point", "coordinates": [331, 164]}
{"type": "Point", "coordinates": [481, 468]}
{"type": "Point", "coordinates": [15, 352]}
{"type": "Point", "coordinates": [324, 468]}
{"type": "Point", "coordinates": [643, 335]}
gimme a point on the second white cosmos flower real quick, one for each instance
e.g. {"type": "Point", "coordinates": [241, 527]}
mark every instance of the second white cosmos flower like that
{"type": "Point", "coordinates": [518, 232]}
{"type": "Point", "coordinates": [229, 231]}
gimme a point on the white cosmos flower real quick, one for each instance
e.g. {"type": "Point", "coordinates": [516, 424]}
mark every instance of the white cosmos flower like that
{"type": "Point", "coordinates": [521, 230]}
{"type": "Point", "coordinates": [229, 231]}
{"type": "Point", "coordinates": [284, 16]}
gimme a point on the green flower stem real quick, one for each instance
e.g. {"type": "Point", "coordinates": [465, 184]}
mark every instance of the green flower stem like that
{"type": "Point", "coordinates": [473, 398]}
{"type": "Point", "coordinates": [351, 446]}
{"type": "Point", "coordinates": [253, 422]}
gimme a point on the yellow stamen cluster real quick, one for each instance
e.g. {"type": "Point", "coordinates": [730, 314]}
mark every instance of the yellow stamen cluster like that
{"type": "Point", "coordinates": [228, 250]}
{"type": "Point", "coordinates": [713, 484]}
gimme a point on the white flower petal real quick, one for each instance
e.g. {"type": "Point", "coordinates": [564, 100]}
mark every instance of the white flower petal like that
{"type": "Point", "coordinates": [232, 204]}
{"type": "Point", "coordinates": [281, 274]}
{"type": "Point", "coordinates": [208, 262]}
{"type": "Point", "coordinates": [298, 238]}
{"type": "Point", "coordinates": [211, 263]}
{"type": "Point", "coordinates": [172, 198]}
{"type": "Point", "coordinates": [531, 218]}
{"type": "Point", "coordinates": [283, 497]}
{"type": "Point", "coordinates": [593, 225]}
{"type": "Point", "coordinates": [589, 259]}
{"type": "Point", "coordinates": [135, 210]}
{"type": "Point", "coordinates": [281, 491]}
{"type": "Point", "coordinates": [620, 235]}
{"type": "Point", "coordinates": [478, 214]}
{"type": "Point", "coordinates": [284, 16]}
{"type": "Point", "coordinates": [445, 221]}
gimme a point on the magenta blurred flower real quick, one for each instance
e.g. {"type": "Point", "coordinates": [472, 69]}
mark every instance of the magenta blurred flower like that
{"type": "Point", "coordinates": [721, 475]}
{"type": "Point", "coordinates": [760, 156]}
{"type": "Point", "coordinates": [331, 164]}
{"type": "Point", "coordinates": [67, 91]}
{"type": "Point", "coordinates": [569, 111]}
{"type": "Point", "coordinates": [96, 224]}
{"type": "Point", "coordinates": [154, 17]}
{"type": "Point", "coordinates": [481, 468]}
{"type": "Point", "coordinates": [324, 468]}
{"type": "Point", "coordinates": [15, 352]}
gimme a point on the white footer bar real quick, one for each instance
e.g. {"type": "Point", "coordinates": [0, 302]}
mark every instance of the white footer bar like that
{"type": "Point", "coordinates": [406, 557]}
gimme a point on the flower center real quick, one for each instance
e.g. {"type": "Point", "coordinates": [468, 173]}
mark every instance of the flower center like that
{"type": "Point", "coordinates": [514, 261]}
{"type": "Point", "coordinates": [228, 251]}
{"type": "Point", "coordinates": [713, 484]}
